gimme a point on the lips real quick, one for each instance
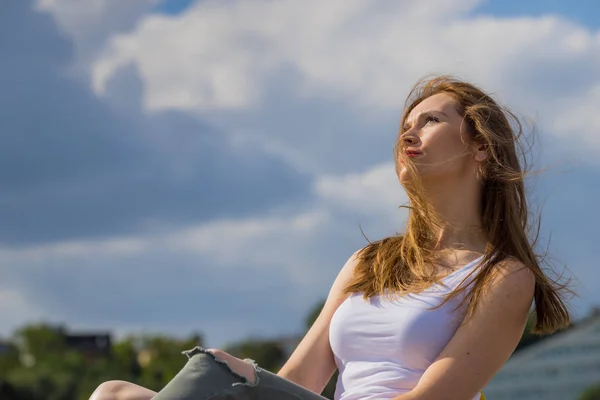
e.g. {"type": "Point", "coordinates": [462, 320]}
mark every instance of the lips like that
{"type": "Point", "coordinates": [412, 153]}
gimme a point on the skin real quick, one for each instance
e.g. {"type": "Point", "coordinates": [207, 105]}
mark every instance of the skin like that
{"type": "Point", "coordinates": [448, 167]}
{"type": "Point", "coordinates": [481, 346]}
{"type": "Point", "coordinates": [121, 390]}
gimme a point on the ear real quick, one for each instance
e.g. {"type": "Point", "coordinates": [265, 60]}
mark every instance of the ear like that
{"type": "Point", "coordinates": [480, 152]}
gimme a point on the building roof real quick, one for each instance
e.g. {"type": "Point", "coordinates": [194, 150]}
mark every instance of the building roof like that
{"type": "Point", "coordinates": [558, 368]}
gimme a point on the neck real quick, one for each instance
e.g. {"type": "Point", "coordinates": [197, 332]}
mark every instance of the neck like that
{"type": "Point", "coordinates": [458, 206]}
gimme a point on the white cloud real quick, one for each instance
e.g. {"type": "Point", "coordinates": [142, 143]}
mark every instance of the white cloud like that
{"type": "Point", "coordinates": [297, 247]}
{"type": "Point", "coordinates": [270, 254]}
{"type": "Point", "coordinates": [347, 46]}
{"type": "Point", "coordinates": [263, 241]}
{"type": "Point", "coordinates": [219, 55]}
{"type": "Point", "coordinates": [288, 246]}
{"type": "Point", "coordinates": [375, 191]}
{"type": "Point", "coordinates": [16, 310]}
{"type": "Point", "coordinates": [90, 23]}
{"type": "Point", "coordinates": [576, 119]}
{"type": "Point", "coordinates": [75, 249]}
{"type": "Point", "coordinates": [222, 55]}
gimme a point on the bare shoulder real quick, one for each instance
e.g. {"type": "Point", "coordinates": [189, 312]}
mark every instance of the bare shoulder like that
{"type": "Point", "coordinates": [512, 278]}
{"type": "Point", "coordinates": [485, 341]}
{"type": "Point", "coordinates": [508, 296]}
{"type": "Point", "coordinates": [345, 274]}
{"type": "Point", "coordinates": [311, 365]}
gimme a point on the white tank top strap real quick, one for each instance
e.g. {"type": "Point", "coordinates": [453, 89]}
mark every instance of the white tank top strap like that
{"type": "Point", "coordinates": [383, 346]}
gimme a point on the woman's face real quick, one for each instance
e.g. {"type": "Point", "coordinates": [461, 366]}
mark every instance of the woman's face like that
{"type": "Point", "coordinates": [434, 139]}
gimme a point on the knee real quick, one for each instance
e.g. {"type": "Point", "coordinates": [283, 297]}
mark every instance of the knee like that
{"type": "Point", "coordinates": [220, 354]}
{"type": "Point", "coordinates": [225, 356]}
{"type": "Point", "coordinates": [109, 390]}
{"type": "Point", "coordinates": [236, 365]}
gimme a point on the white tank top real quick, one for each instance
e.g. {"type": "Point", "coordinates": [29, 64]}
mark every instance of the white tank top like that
{"type": "Point", "coordinates": [382, 347]}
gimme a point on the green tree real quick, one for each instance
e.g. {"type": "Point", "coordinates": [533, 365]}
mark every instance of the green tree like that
{"type": "Point", "coordinates": [163, 361]}
{"type": "Point", "coordinates": [165, 358]}
{"type": "Point", "coordinates": [41, 366]}
{"type": "Point", "coordinates": [125, 358]}
{"type": "Point", "coordinates": [592, 393]}
{"type": "Point", "coordinates": [312, 315]}
{"type": "Point", "coordinates": [267, 353]}
{"type": "Point", "coordinates": [310, 319]}
{"type": "Point", "coordinates": [46, 368]}
{"type": "Point", "coordinates": [9, 392]}
{"type": "Point", "coordinates": [40, 342]}
{"type": "Point", "coordinates": [44, 382]}
{"type": "Point", "coordinates": [9, 360]}
{"type": "Point", "coordinates": [528, 338]}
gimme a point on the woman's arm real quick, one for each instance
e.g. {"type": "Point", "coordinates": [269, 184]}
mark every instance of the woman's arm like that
{"type": "Point", "coordinates": [312, 365]}
{"type": "Point", "coordinates": [482, 345]}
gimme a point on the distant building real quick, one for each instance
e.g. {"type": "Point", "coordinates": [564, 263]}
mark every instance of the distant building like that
{"type": "Point", "coordinates": [8, 392]}
{"type": "Point", "coordinates": [91, 345]}
{"type": "Point", "coordinates": [288, 343]}
{"type": "Point", "coordinates": [561, 367]}
{"type": "Point", "coordinates": [5, 346]}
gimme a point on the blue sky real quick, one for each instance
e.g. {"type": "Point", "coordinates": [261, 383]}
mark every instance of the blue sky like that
{"type": "Point", "coordinates": [207, 166]}
{"type": "Point", "coordinates": [173, 7]}
{"type": "Point", "coordinates": [581, 11]}
{"type": "Point", "coordinates": [584, 12]}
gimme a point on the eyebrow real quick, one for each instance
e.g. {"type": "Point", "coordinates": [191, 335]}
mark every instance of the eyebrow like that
{"type": "Point", "coordinates": [421, 115]}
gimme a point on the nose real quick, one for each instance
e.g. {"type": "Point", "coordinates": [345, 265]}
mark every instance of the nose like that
{"type": "Point", "coordinates": [409, 138]}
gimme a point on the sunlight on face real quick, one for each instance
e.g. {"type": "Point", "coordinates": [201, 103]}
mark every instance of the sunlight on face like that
{"type": "Point", "coordinates": [433, 138]}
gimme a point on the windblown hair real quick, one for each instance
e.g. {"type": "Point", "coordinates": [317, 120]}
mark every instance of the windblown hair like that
{"type": "Point", "coordinates": [402, 264]}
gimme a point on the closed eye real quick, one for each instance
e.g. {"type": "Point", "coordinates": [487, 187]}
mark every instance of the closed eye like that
{"type": "Point", "coordinates": [431, 118]}
{"type": "Point", "coordinates": [424, 119]}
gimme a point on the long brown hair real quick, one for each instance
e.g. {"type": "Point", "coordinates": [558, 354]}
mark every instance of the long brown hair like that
{"type": "Point", "coordinates": [401, 264]}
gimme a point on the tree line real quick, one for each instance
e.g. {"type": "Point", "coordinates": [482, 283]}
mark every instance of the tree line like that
{"type": "Point", "coordinates": [42, 365]}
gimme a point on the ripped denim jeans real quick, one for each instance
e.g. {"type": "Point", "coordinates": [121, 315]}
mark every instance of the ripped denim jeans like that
{"type": "Point", "coordinates": [205, 377]}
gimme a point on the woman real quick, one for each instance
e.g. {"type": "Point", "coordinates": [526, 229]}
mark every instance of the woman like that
{"type": "Point", "coordinates": [430, 314]}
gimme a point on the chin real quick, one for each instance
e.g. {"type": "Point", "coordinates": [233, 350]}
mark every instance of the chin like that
{"type": "Point", "coordinates": [406, 177]}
